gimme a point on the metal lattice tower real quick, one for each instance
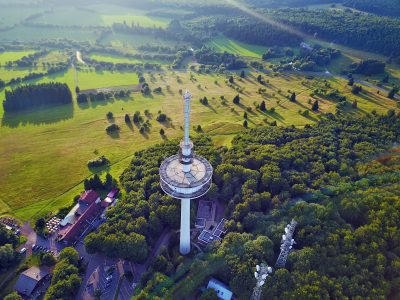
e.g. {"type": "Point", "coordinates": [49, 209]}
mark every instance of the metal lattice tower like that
{"type": "Point", "coordinates": [286, 244]}
{"type": "Point", "coordinates": [185, 176]}
{"type": "Point", "coordinates": [262, 272]}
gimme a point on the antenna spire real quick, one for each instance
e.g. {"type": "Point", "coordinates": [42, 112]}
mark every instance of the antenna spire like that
{"type": "Point", "coordinates": [187, 98]}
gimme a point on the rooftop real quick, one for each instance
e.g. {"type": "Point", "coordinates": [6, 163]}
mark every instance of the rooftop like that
{"type": "Point", "coordinates": [171, 172]}
{"type": "Point", "coordinates": [113, 193]}
{"type": "Point", "coordinates": [89, 196]}
{"type": "Point", "coordinates": [222, 289]}
{"type": "Point", "coordinates": [28, 280]}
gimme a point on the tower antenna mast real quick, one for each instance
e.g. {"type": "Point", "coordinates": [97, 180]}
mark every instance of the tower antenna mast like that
{"type": "Point", "coordinates": [185, 176]}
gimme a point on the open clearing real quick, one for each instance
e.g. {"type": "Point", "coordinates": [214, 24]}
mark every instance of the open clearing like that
{"type": "Point", "coordinates": [99, 16]}
{"type": "Point", "coordinates": [46, 151]}
{"type": "Point", "coordinates": [13, 56]}
{"type": "Point", "coordinates": [223, 43]}
{"type": "Point", "coordinates": [119, 59]}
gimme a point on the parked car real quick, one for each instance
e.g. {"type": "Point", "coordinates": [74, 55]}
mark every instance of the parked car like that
{"type": "Point", "coordinates": [22, 251]}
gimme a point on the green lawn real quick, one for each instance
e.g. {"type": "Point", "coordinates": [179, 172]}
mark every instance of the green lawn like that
{"type": "Point", "coordinates": [223, 43]}
{"type": "Point", "coordinates": [46, 151]}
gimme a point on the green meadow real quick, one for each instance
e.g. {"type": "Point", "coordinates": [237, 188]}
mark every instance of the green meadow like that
{"type": "Point", "coordinates": [223, 43]}
{"type": "Point", "coordinates": [118, 59]}
{"type": "Point", "coordinates": [13, 55]}
{"type": "Point", "coordinates": [99, 15]}
{"type": "Point", "coordinates": [46, 150]}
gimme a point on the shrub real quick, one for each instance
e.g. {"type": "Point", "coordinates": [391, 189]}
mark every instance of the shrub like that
{"type": "Point", "coordinates": [112, 128]}
{"type": "Point", "coordinates": [98, 161]}
{"type": "Point", "coordinates": [82, 98]}
{"type": "Point", "coordinates": [162, 117]}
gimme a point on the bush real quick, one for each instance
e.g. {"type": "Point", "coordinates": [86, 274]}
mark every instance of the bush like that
{"type": "Point", "coordinates": [162, 117]}
{"type": "Point", "coordinates": [110, 115]}
{"type": "Point", "coordinates": [236, 99]}
{"type": "Point", "coordinates": [157, 90]}
{"type": "Point", "coordinates": [98, 162]}
{"type": "Point", "coordinates": [82, 98]}
{"type": "Point", "coordinates": [112, 128]}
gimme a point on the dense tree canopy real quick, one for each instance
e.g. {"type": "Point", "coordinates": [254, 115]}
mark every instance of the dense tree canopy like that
{"type": "Point", "coordinates": [30, 96]}
{"type": "Point", "coordinates": [65, 282]}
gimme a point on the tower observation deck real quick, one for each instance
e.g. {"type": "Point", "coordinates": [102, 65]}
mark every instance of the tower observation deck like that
{"type": "Point", "coordinates": [185, 176]}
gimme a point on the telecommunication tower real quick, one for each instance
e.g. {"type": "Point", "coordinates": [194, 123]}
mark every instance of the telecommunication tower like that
{"type": "Point", "coordinates": [262, 272]}
{"type": "Point", "coordinates": [185, 176]}
{"type": "Point", "coordinates": [286, 244]}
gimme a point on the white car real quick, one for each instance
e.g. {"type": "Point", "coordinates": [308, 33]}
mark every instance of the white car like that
{"type": "Point", "coordinates": [22, 251]}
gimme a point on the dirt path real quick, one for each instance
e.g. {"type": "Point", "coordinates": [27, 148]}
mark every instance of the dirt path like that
{"type": "Point", "coordinates": [79, 57]}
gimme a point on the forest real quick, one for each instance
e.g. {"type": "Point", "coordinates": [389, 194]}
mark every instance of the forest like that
{"type": "Point", "coordinates": [351, 28]}
{"type": "Point", "coordinates": [244, 29]}
{"type": "Point", "coordinates": [382, 7]}
{"type": "Point", "coordinates": [267, 177]}
{"type": "Point", "coordinates": [31, 96]}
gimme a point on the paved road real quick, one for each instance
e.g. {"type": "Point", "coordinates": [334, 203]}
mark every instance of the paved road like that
{"type": "Point", "coordinates": [32, 238]}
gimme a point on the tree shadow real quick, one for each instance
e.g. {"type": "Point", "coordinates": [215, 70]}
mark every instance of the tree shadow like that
{"type": "Point", "coordinates": [211, 107]}
{"type": "Point", "coordinates": [130, 125]}
{"type": "Point", "coordinates": [114, 134]}
{"type": "Point", "coordinates": [38, 116]}
{"type": "Point", "coordinates": [99, 170]}
{"type": "Point", "coordinates": [274, 115]}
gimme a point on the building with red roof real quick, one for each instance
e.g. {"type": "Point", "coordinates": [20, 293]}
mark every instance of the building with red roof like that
{"type": "Point", "coordinates": [113, 193]}
{"type": "Point", "coordinates": [89, 197]}
{"type": "Point", "coordinates": [89, 205]}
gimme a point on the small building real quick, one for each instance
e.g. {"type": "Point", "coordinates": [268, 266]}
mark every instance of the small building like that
{"type": "Point", "coordinates": [29, 280]}
{"type": "Point", "coordinates": [113, 193]}
{"type": "Point", "coordinates": [222, 289]}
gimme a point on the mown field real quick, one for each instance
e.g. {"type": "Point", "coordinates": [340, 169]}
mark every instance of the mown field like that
{"type": "Point", "coordinates": [46, 151]}
{"type": "Point", "coordinates": [118, 59]}
{"type": "Point", "coordinates": [222, 44]}
{"type": "Point", "coordinates": [99, 15]}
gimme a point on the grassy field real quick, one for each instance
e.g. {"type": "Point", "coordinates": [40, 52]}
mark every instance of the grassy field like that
{"type": "Point", "coordinates": [46, 151]}
{"type": "Point", "coordinates": [223, 43]}
{"type": "Point", "coordinates": [27, 33]}
{"type": "Point", "coordinates": [13, 56]}
{"type": "Point", "coordinates": [11, 15]}
{"type": "Point", "coordinates": [119, 59]}
{"type": "Point", "coordinates": [99, 15]}
{"type": "Point", "coordinates": [121, 40]}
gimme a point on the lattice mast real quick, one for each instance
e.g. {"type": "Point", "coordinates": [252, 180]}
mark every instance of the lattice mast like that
{"type": "Point", "coordinates": [262, 272]}
{"type": "Point", "coordinates": [286, 244]}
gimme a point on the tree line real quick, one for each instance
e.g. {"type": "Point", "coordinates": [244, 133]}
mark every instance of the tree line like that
{"type": "Point", "coordinates": [31, 96]}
